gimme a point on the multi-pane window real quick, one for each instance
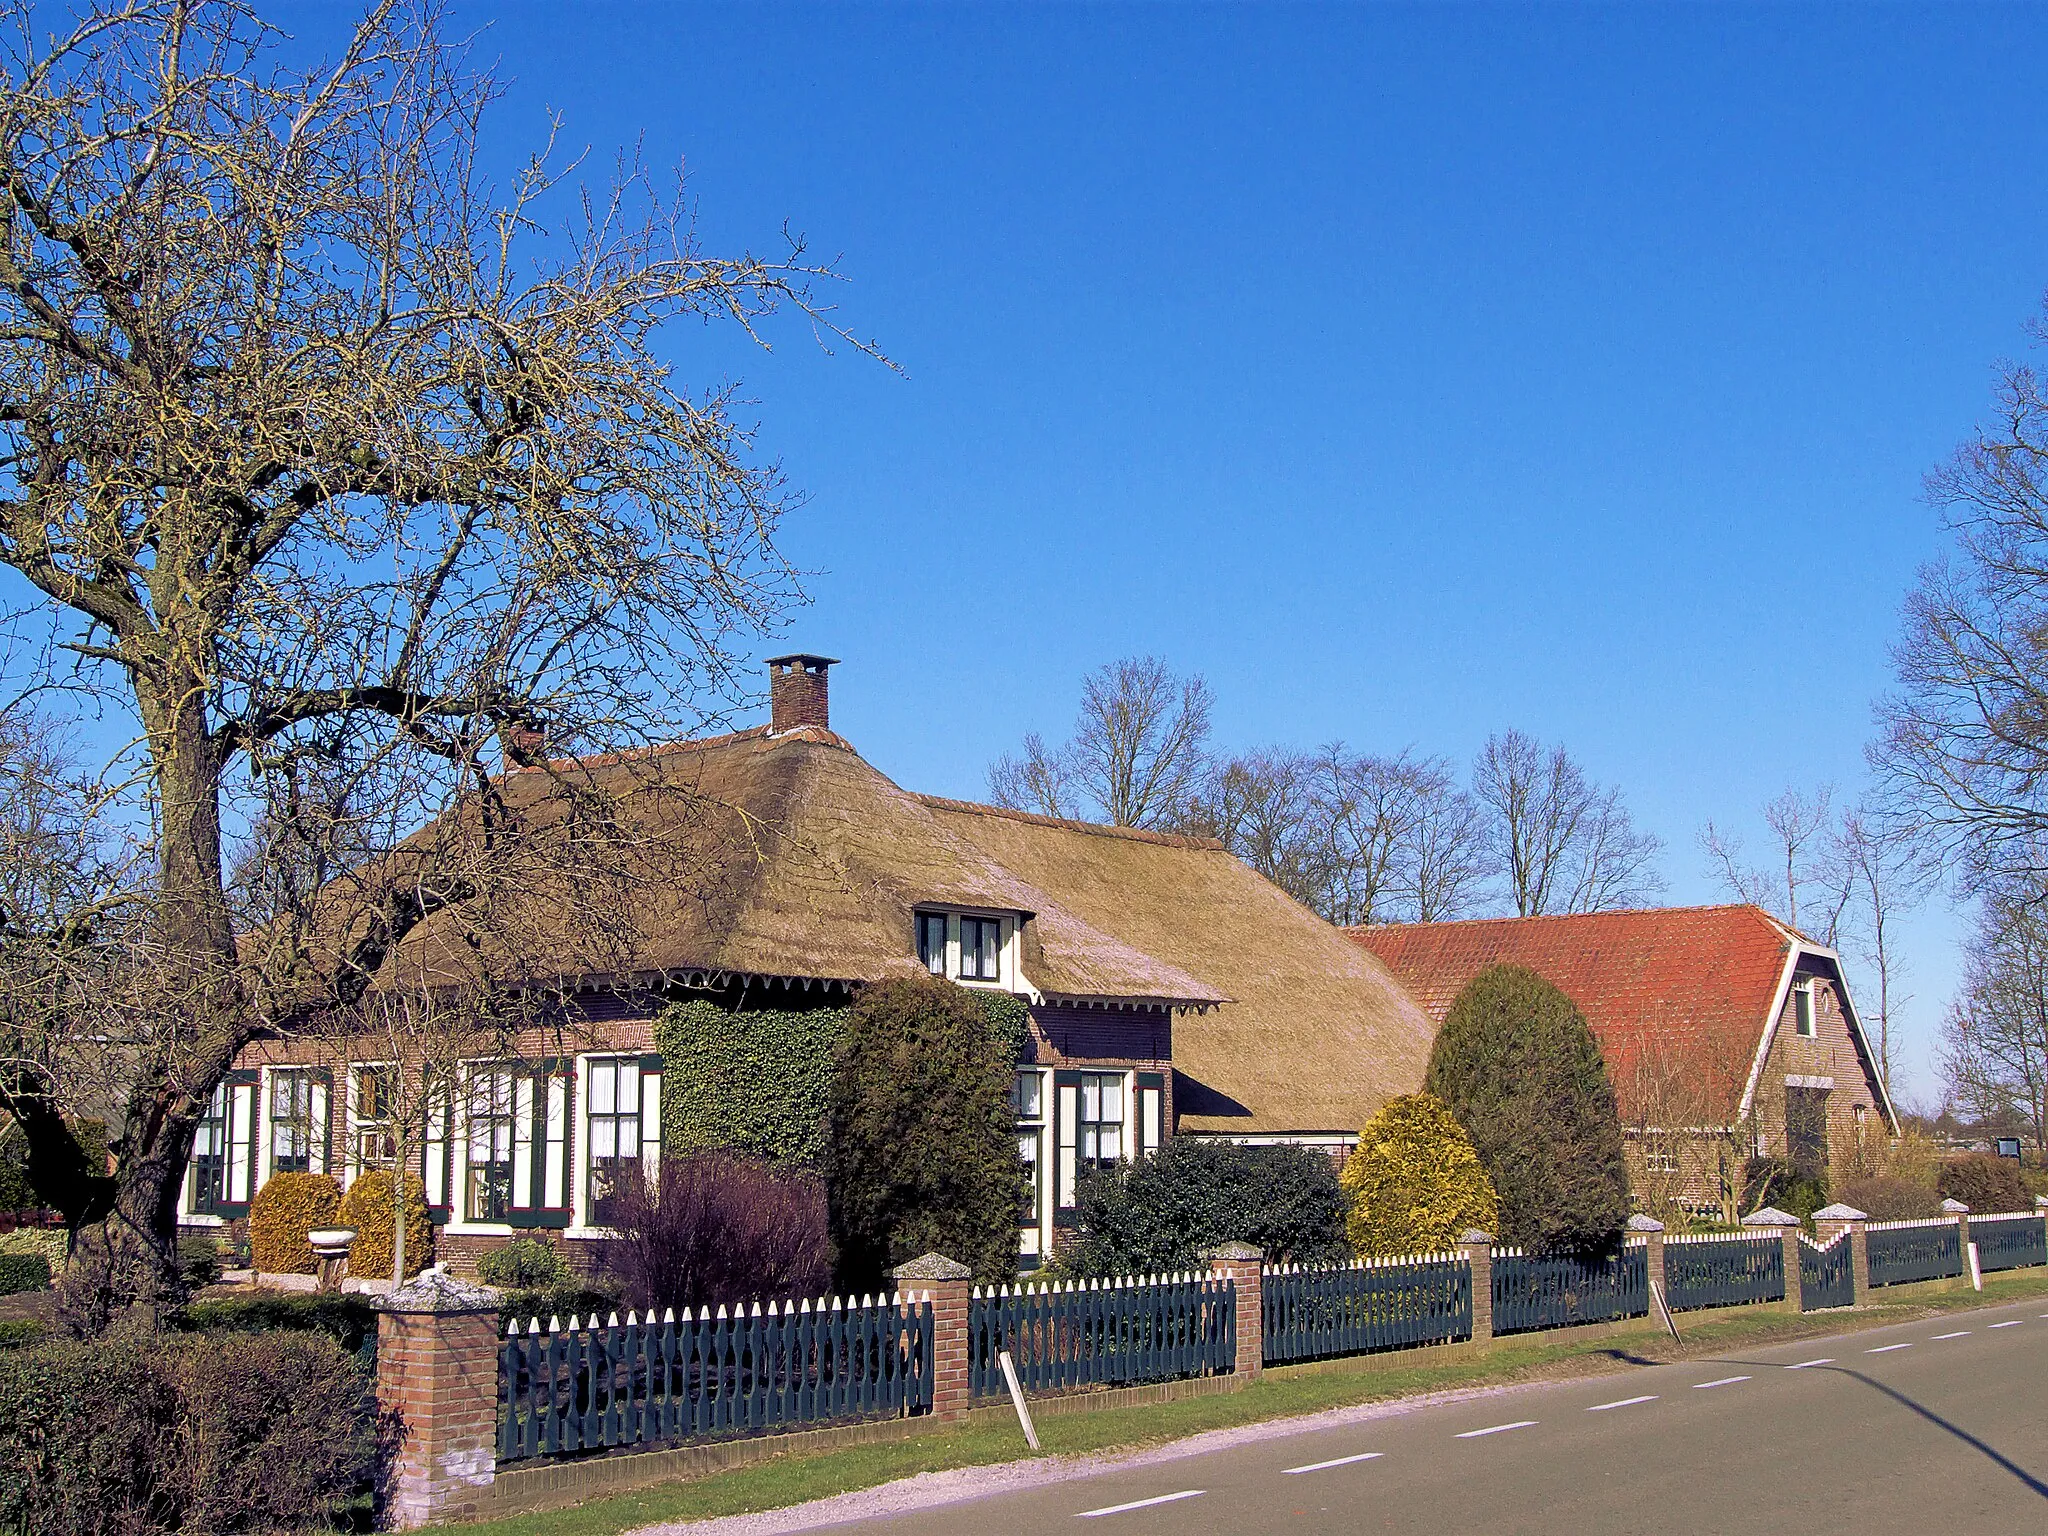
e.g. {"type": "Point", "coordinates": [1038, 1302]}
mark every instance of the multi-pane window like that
{"type": "Point", "coordinates": [1027, 1103]}
{"type": "Point", "coordinates": [931, 941]}
{"type": "Point", "coordinates": [981, 943]}
{"type": "Point", "coordinates": [614, 1107]}
{"type": "Point", "coordinates": [1802, 1008]}
{"type": "Point", "coordinates": [1806, 1131]}
{"type": "Point", "coordinates": [375, 1110]}
{"type": "Point", "coordinates": [1099, 1139]}
{"type": "Point", "coordinates": [489, 1131]}
{"type": "Point", "coordinates": [210, 1156]}
{"type": "Point", "coordinates": [291, 1120]}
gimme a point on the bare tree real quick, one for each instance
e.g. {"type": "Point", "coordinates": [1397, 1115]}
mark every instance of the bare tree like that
{"type": "Point", "coordinates": [1562, 842]}
{"type": "Point", "coordinates": [1801, 843]}
{"type": "Point", "coordinates": [1263, 807]}
{"type": "Point", "coordinates": [1405, 841]}
{"type": "Point", "coordinates": [1995, 1038]}
{"type": "Point", "coordinates": [1877, 876]}
{"type": "Point", "coordinates": [1963, 752]}
{"type": "Point", "coordinates": [1136, 757]}
{"type": "Point", "coordinates": [316, 452]}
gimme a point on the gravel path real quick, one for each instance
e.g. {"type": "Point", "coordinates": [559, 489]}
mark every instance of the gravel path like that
{"type": "Point", "coordinates": [932, 1490]}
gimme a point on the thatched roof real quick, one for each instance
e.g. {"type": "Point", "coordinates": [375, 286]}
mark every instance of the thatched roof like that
{"type": "Point", "coordinates": [1317, 1035]}
{"type": "Point", "coordinates": [792, 857]}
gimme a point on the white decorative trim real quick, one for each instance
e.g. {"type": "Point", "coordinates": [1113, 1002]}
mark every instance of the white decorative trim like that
{"type": "Point", "coordinates": [1808, 1080]}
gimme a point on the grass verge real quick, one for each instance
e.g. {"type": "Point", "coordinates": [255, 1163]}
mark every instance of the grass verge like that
{"type": "Point", "coordinates": [791, 1480]}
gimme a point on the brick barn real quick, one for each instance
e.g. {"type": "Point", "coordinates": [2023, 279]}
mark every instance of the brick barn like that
{"type": "Point", "coordinates": [1727, 1033]}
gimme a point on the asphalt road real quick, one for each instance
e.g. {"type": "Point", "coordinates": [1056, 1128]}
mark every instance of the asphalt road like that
{"type": "Point", "coordinates": [1938, 1428]}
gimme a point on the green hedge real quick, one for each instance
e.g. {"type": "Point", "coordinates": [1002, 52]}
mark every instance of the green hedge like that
{"type": "Point", "coordinates": [757, 1081]}
{"type": "Point", "coordinates": [348, 1318]}
{"type": "Point", "coordinates": [23, 1272]}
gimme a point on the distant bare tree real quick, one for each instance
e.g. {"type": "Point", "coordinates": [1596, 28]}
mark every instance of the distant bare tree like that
{"type": "Point", "coordinates": [1405, 841]}
{"type": "Point", "coordinates": [1563, 843]}
{"type": "Point", "coordinates": [1263, 807]}
{"type": "Point", "coordinates": [1995, 1038]}
{"type": "Point", "coordinates": [1800, 829]}
{"type": "Point", "coordinates": [1877, 875]}
{"type": "Point", "coordinates": [1136, 757]}
{"type": "Point", "coordinates": [1963, 753]}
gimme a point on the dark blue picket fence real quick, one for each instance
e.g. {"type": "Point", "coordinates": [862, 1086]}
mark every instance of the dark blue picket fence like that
{"type": "Point", "coordinates": [1827, 1277]}
{"type": "Point", "coordinates": [1311, 1314]}
{"type": "Point", "coordinates": [1905, 1251]}
{"type": "Point", "coordinates": [1102, 1332]}
{"type": "Point", "coordinates": [1560, 1290]}
{"type": "Point", "coordinates": [2008, 1242]}
{"type": "Point", "coordinates": [599, 1386]}
{"type": "Point", "coordinates": [1723, 1271]}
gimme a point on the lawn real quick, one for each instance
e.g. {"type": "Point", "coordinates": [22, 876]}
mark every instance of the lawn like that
{"type": "Point", "coordinates": [795, 1480]}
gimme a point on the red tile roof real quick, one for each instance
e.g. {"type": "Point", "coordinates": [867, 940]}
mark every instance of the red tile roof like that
{"type": "Point", "coordinates": [1677, 994]}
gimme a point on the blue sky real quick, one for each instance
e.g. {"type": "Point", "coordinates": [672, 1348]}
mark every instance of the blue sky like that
{"type": "Point", "coordinates": [1408, 372]}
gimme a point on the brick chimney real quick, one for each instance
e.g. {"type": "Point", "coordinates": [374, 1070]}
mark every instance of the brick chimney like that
{"type": "Point", "coordinates": [797, 692]}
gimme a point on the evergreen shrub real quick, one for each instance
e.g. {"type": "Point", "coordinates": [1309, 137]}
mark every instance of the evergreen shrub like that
{"type": "Point", "coordinates": [1160, 1213]}
{"type": "Point", "coordinates": [1784, 1184]}
{"type": "Point", "coordinates": [134, 1436]}
{"type": "Point", "coordinates": [921, 1148]}
{"type": "Point", "coordinates": [575, 1298]}
{"type": "Point", "coordinates": [1520, 1070]}
{"type": "Point", "coordinates": [1984, 1183]}
{"type": "Point", "coordinates": [52, 1243]}
{"type": "Point", "coordinates": [524, 1264]}
{"type": "Point", "coordinates": [366, 1210]}
{"type": "Point", "coordinates": [198, 1261]}
{"type": "Point", "coordinates": [23, 1272]}
{"type": "Point", "coordinates": [285, 1209]}
{"type": "Point", "coordinates": [756, 1081]}
{"type": "Point", "coordinates": [1415, 1183]}
{"type": "Point", "coordinates": [345, 1317]}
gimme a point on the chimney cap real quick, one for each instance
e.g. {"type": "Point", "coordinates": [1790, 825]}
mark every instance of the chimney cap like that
{"type": "Point", "coordinates": [804, 656]}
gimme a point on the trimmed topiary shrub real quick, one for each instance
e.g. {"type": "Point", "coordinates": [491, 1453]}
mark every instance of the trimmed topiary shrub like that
{"type": "Point", "coordinates": [23, 1272]}
{"type": "Point", "coordinates": [718, 1228]}
{"type": "Point", "coordinates": [757, 1081]}
{"type": "Point", "coordinates": [136, 1435]}
{"type": "Point", "coordinates": [1886, 1199]}
{"type": "Point", "coordinates": [524, 1264]}
{"type": "Point", "coordinates": [1519, 1068]}
{"type": "Point", "coordinates": [921, 1150]}
{"type": "Point", "coordinates": [1415, 1183]}
{"type": "Point", "coordinates": [283, 1212]}
{"type": "Point", "coordinates": [1162, 1212]}
{"type": "Point", "coordinates": [1984, 1183]}
{"type": "Point", "coordinates": [366, 1210]}
{"type": "Point", "coordinates": [198, 1261]}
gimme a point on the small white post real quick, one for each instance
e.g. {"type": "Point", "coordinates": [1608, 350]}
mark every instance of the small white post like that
{"type": "Point", "coordinates": [1976, 1270]}
{"type": "Point", "coordinates": [1017, 1399]}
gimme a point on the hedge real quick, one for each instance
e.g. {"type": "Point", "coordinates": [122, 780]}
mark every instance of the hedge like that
{"type": "Point", "coordinates": [283, 1212]}
{"type": "Point", "coordinates": [366, 1210]}
{"type": "Point", "coordinates": [23, 1272]}
{"type": "Point", "coordinates": [756, 1080]}
{"type": "Point", "coordinates": [1161, 1212]}
{"type": "Point", "coordinates": [524, 1264]}
{"type": "Point", "coordinates": [346, 1318]}
{"type": "Point", "coordinates": [217, 1434]}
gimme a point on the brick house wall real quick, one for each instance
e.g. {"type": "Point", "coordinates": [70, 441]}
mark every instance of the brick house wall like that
{"type": "Point", "coordinates": [1830, 1057]}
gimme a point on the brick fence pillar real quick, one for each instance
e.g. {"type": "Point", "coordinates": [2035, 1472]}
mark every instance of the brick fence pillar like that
{"type": "Point", "coordinates": [949, 1284]}
{"type": "Point", "coordinates": [1788, 1236]}
{"type": "Point", "coordinates": [1651, 1230]}
{"type": "Point", "coordinates": [1478, 1250]}
{"type": "Point", "coordinates": [437, 1376]}
{"type": "Point", "coordinates": [1832, 1221]}
{"type": "Point", "coordinates": [1245, 1267]}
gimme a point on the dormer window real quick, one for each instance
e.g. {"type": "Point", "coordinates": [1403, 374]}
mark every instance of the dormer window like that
{"type": "Point", "coordinates": [981, 948]}
{"type": "Point", "coordinates": [931, 941]}
{"type": "Point", "coordinates": [1802, 1009]}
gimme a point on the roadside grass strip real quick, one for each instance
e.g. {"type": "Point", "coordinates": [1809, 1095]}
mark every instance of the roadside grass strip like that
{"type": "Point", "coordinates": [1622, 1402]}
{"type": "Point", "coordinates": [2013, 1324]}
{"type": "Point", "coordinates": [1725, 1381]}
{"type": "Point", "coordinates": [1805, 1364]}
{"type": "Point", "coordinates": [1121, 1509]}
{"type": "Point", "coordinates": [1885, 1349]}
{"type": "Point", "coordinates": [1960, 1333]}
{"type": "Point", "coordinates": [1498, 1429]}
{"type": "Point", "coordinates": [1341, 1461]}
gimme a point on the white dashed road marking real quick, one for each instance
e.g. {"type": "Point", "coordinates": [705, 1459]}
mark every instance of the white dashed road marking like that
{"type": "Point", "coordinates": [1164, 1498]}
{"type": "Point", "coordinates": [1725, 1381]}
{"type": "Point", "coordinates": [1885, 1349]}
{"type": "Point", "coordinates": [1960, 1333]}
{"type": "Point", "coordinates": [2013, 1324]}
{"type": "Point", "coordinates": [1474, 1434]}
{"type": "Point", "coordinates": [1802, 1365]}
{"type": "Point", "coordinates": [1625, 1402]}
{"type": "Point", "coordinates": [1341, 1461]}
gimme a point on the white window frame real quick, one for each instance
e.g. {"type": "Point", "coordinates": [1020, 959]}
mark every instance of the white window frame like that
{"type": "Point", "coordinates": [582, 1223]}
{"type": "Point", "coordinates": [320, 1109]}
{"type": "Point", "coordinates": [353, 1164]}
{"type": "Point", "coordinates": [1034, 1238]}
{"type": "Point", "coordinates": [1803, 997]}
{"type": "Point", "coordinates": [1007, 968]}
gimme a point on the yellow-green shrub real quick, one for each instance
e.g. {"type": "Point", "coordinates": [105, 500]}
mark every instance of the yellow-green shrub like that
{"type": "Point", "coordinates": [1415, 1183]}
{"type": "Point", "coordinates": [366, 1208]}
{"type": "Point", "coordinates": [283, 1212]}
